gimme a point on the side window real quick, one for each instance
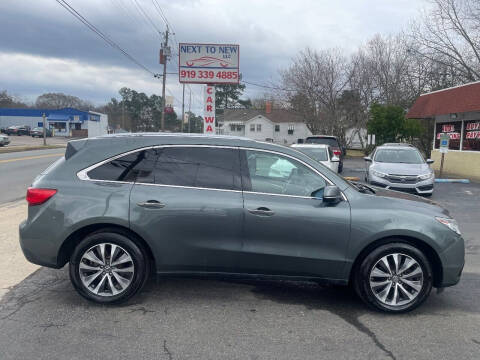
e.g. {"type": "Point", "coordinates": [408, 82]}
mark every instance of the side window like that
{"type": "Point", "coordinates": [120, 169]}
{"type": "Point", "coordinates": [203, 167]}
{"type": "Point", "coordinates": [270, 173]}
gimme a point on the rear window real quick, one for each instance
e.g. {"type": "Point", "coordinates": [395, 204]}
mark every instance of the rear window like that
{"type": "Point", "coordinates": [120, 169]}
{"type": "Point", "coordinates": [319, 154]}
{"type": "Point", "coordinates": [322, 140]}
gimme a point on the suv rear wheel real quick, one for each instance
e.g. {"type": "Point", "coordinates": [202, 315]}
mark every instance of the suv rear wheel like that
{"type": "Point", "coordinates": [394, 277]}
{"type": "Point", "coordinates": [108, 267]}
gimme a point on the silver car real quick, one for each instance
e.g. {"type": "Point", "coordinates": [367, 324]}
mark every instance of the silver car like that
{"type": "Point", "coordinates": [400, 168]}
{"type": "Point", "coordinates": [4, 140]}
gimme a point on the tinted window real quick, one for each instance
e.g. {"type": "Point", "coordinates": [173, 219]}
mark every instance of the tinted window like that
{"type": "Point", "coordinates": [321, 140]}
{"type": "Point", "coordinates": [121, 169]}
{"type": "Point", "coordinates": [203, 167]}
{"type": "Point", "coordinates": [276, 174]}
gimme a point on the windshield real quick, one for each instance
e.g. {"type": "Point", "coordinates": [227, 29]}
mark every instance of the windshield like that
{"type": "Point", "coordinates": [322, 140]}
{"type": "Point", "coordinates": [403, 156]}
{"type": "Point", "coordinates": [319, 154]}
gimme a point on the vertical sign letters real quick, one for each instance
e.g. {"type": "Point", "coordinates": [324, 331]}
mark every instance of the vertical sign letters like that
{"type": "Point", "coordinates": [209, 110]}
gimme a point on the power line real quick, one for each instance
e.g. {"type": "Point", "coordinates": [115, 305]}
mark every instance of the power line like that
{"type": "Point", "coordinates": [142, 11]}
{"type": "Point", "coordinates": [266, 86]}
{"type": "Point", "coordinates": [104, 37]}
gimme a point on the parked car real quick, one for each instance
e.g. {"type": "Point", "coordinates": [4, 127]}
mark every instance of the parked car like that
{"type": "Point", "coordinates": [38, 132]}
{"type": "Point", "coordinates": [4, 140]}
{"type": "Point", "coordinates": [321, 153]}
{"type": "Point", "coordinates": [333, 142]}
{"type": "Point", "coordinates": [18, 130]}
{"type": "Point", "coordinates": [117, 207]}
{"type": "Point", "coordinates": [400, 168]}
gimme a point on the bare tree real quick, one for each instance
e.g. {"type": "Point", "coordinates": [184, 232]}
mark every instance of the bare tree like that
{"type": "Point", "coordinates": [61, 100]}
{"type": "Point", "coordinates": [449, 35]}
{"type": "Point", "coordinates": [318, 79]}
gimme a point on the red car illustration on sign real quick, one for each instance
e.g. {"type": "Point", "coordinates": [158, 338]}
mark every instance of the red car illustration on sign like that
{"type": "Point", "coordinates": [206, 61]}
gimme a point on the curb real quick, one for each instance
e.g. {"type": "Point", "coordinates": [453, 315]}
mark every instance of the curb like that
{"type": "Point", "coordinates": [462, 181]}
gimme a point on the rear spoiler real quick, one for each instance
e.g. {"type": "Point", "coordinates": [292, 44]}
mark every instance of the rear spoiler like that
{"type": "Point", "coordinates": [73, 147]}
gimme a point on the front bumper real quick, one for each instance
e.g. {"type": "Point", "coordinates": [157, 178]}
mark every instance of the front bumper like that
{"type": "Point", "coordinates": [453, 261]}
{"type": "Point", "coordinates": [420, 187]}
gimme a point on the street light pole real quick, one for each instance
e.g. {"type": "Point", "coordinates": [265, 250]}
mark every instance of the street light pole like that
{"type": "Point", "coordinates": [44, 130]}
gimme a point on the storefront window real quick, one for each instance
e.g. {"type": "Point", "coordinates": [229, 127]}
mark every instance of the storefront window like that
{"type": "Point", "coordinates": [471, 138]}
{"type": "Point", "coordinates": [453, 129]}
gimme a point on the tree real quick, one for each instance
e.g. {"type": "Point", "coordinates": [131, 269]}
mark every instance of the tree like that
{"type": "Point", "coordinates": [61, 100]}
{"type": "Point", "coordinates": [228, 96]}
{"type": "Point", "coordinates": [315, 81]}
{"type": "Point", "coordinates": [449, 35]}
{"type": "Point", "coordinates": [10, 101]}
{"type": "Point", "coordinates": [389, 124]}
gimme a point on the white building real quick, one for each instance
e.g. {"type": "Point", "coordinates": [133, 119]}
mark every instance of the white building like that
{"type": "Point", "coordinates": [277, 125]}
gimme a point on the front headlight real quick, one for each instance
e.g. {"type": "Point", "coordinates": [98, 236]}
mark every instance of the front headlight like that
{"type": "Point", "coordinates": [450, 223]}
{"type": "Point", "coordinates": [378, 173]}
{"type": "Point", "coordinates": [425, 176]}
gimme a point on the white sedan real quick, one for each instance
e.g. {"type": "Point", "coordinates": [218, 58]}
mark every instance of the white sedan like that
{"type": "Point", "coordinates": [321, 153]}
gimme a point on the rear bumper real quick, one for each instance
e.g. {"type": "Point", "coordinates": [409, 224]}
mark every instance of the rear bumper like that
{"type": "Point", "coordinates": [36, 250]}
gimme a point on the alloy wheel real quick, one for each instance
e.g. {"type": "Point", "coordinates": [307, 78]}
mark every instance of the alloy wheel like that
{"type": "Point", "coordinates": [106, 269]}
{"type": "Point", "coordinates": [396, 279]}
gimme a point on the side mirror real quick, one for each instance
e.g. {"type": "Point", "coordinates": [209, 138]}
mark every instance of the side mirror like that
{"type": "Point", "coordinates": [335, 159]}
{"type": "Point", "coordinates": [367, 158]}
{"type": "Point", "coordinates": [332, 194]}
{"type": "Point", "coordinates": [430, 161]}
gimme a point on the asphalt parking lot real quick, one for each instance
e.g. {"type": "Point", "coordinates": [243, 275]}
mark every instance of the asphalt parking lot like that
{"type": "Point", "coordinates": [20, 141]}
{"type": "Point", "coordinates": [42, 317]}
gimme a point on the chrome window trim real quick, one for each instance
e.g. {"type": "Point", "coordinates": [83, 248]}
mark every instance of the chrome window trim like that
{"type": "Point", "coordinates": [82, 174]}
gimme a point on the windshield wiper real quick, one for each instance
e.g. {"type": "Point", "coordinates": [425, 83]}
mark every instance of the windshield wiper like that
{"type": "Point", "coordinates": [363, 188]}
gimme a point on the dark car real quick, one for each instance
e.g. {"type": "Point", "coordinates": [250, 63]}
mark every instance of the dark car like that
{"type": "Point", "coordinates": [118, 207]}
{"type": "Point", "coordinates": [333, 142]}
{"type": "Point", "coordinates": [18, 130]}
{"type": "Point", "coordinates": [38, 132]}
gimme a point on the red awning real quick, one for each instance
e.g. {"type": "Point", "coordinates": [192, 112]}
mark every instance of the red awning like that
{"type": "Point", "coordinates": [460, 99]}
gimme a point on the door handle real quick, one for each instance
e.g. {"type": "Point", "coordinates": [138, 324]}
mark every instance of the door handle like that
{"type": "Point", "coordinates": [261, 211]}
{"type": "Point", "coordinates": [151, 204]}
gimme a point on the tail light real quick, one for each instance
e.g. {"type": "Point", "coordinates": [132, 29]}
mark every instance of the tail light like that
{"type": "Point", "coordinates": [337, 152]}
{"type": "Point", "coordinates": [39, 196]}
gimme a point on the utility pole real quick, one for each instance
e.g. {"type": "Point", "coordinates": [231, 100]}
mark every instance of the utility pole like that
{"type": "Point", "coordinates": [164, 60]}
{"type": "Point", "coordinates": [183, 106]}
{"type": "Point", "coordinates": [44, 130]}
{"type": "Point", "coordinates": [189, 109]}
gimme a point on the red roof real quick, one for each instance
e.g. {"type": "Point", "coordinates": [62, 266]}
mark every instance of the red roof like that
{"type": "Point", "coordinates": [459, 99]}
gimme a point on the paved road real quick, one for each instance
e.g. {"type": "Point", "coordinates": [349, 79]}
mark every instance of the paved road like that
{"type": "Point", "coordinates": [43, 317]}
{"type": "Point", "coordinates": [19, 169]}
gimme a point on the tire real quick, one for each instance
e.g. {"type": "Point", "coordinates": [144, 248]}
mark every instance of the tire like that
{"type": "Point", "coordinates": [364, 282]}
{"type": "Point", "coordinates": [124, 249]}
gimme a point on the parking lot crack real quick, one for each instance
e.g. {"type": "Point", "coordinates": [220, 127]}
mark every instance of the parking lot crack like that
{"type": "Point", "coordinates": [166, 351]}
{"type": "Point", "coordinates": [476, 341]}
{"type": "Point", "coordinates": [354, 321]}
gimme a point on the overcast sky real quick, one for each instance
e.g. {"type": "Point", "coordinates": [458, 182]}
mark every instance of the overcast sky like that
{"type": "Point", "coordinates": [43, 48]}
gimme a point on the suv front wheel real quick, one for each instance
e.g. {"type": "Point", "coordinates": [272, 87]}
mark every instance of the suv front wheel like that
{"type": "Point", "coordinates": [108, 267]}
{"type": "Point", "coordinates": [395, 278]}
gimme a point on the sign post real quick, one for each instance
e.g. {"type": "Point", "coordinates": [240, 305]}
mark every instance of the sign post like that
{"type": "Point", "coordinates": [444, 143]}
{"type": "Point", "coordinates": [208, 64]}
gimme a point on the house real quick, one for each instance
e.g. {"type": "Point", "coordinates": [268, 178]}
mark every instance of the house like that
{"type": "Point", "coordinates": [275, 125]}
{"type": "Point", "coordinates": [456, 112]}
{"type": "Point", "coordinates": [63, 122]}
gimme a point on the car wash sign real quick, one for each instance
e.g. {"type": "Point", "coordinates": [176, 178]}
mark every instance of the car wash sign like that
{"type": "Point", "coordinates": [209, 110]}
{"type": "Point", "coordinates": [208, 63]}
